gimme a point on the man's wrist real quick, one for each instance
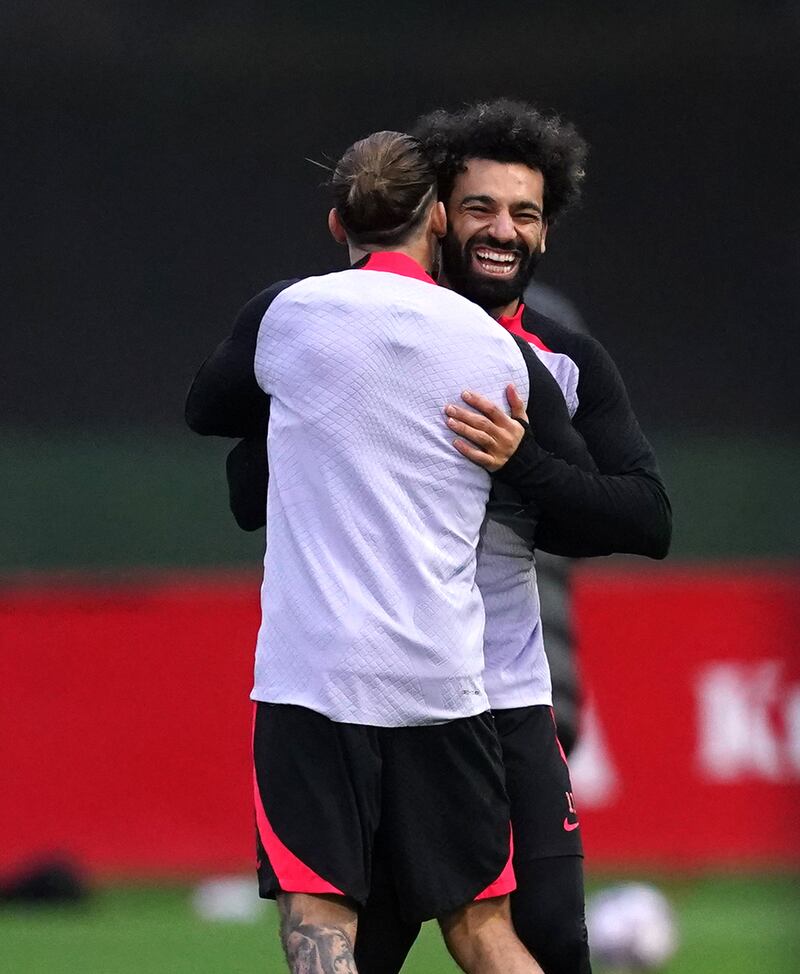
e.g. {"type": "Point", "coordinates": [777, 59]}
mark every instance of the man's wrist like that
{"type": "Point", "coordinates": [523, 461]}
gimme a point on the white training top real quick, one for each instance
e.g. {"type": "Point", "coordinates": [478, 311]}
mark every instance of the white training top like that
{"type": "Point", "coordinates": [370, 611]}
{"type": "Point", "coordinates": [517, 673]}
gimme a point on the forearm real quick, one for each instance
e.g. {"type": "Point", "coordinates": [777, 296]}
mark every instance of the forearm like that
{"type": "Point", "coordinates": [584, 513]}
{"type": "Point", "coordinates": [247, 471]}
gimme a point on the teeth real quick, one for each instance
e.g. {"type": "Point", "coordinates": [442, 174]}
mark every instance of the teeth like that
{"type": "Point", "coordinates": [497, 255]}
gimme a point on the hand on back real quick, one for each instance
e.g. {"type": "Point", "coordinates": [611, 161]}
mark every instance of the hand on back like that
{"type": "Point", "coordinates": [491, 436]}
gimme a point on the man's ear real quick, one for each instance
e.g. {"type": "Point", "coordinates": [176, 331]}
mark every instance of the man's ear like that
{"type": "Point", "coordinates": [338, 232]}
{"type": "Point", "coordinates": [438, 219]}
{"type": "Point", "coordinates": [543, 241]}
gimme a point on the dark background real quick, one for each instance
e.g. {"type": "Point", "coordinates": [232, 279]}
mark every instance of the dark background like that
{"type": "Point", "coordinates": [155, 179]}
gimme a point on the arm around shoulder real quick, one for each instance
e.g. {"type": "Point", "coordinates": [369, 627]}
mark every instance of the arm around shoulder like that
{"type": "Point", "coordinates": [616, 504]}
{"type": "Point", "coordinates": [225, 399]}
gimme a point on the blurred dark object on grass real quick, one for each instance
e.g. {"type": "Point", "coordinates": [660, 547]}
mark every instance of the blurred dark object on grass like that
{"type": "Point", "coordinates": [45, 881]}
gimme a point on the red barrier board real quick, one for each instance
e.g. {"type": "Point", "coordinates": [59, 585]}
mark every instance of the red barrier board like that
{"type": "Point", "coordinates": [125, 737]}
{"type": "Point", "coordinates": [124, 725]}
{"type": "Point", "coordinates": [691, 750]}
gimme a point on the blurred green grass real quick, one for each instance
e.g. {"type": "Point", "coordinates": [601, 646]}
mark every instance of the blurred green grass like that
{"type": "Point", "coordinates": [732, 924]}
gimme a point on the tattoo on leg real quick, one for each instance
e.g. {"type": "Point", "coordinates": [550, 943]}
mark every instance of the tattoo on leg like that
{"type": "Point", "coordinates": [315, 948]}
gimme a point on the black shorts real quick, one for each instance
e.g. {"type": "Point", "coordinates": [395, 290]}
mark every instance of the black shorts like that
{"type": "Point", "coordinates": [543, 813]}
{"type": "Point", "coordinates": [431, 799]}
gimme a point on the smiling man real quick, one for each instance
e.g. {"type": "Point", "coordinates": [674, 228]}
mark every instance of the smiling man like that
{"type": "Point", "coordinates": [506, 173]}
{"type": "Point", "coordinates": [497, 232]}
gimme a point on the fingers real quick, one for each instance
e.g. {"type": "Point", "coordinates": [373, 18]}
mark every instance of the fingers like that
{"type": "Point", "coordinates": [483, 405]}
{"type": "Point", "coordinates": [490, 436]}
{"type": "Point", "coordinates": [517, 406]}
{"type": "Point", "coordinates": [485, 460]}
{"type": "Point", "coordinates": [478, 436]}
{"type": "Point", "coordinates": [493, 413]}
{"type": "Point", "coordinates": [489, 417]}
{"type": "Point", "coordinates": [468, 423]}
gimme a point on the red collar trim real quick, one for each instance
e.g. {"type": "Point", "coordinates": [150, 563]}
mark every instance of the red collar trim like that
{"type": "Point", "coordinates": [513, 323]}
{"type": "Point", "coordinates": [395, 263]}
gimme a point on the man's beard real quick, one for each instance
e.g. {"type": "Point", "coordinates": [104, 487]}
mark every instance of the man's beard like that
{"type": "Point", "coordinates": [487, 292]}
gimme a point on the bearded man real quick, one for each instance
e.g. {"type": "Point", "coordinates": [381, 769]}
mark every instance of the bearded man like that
{"type": "Point", "coordinates": [506, 173]}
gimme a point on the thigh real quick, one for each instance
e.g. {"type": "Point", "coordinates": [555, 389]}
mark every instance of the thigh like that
{"type": "Point", "coordinates": [316, 787]}
{"type": "Point", "coordinates": [446, 815]}
{"type": "Point", "coordinates": [543, 813]}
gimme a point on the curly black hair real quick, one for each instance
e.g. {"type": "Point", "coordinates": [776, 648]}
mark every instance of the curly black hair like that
{"type": "Point", "coordinates": [507, 131]}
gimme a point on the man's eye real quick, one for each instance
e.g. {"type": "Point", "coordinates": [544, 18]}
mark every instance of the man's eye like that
{"type": "Point", "coordinates": [477, 209]}
{"type": "Point", "coordinates": [528, 218]}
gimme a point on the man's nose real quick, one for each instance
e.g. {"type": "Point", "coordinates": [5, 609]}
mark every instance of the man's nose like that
{"type": "Point", "coordinates": [503, 229]}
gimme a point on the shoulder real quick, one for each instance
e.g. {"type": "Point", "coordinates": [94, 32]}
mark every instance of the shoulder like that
{"type": "Point", "coordinates": [343, 285]}
{"type": "Point", "coordinates": [305, 296]}
{"type": "Point", "coordinates": [249, 318]}
{"type": "Point", "coordinates": [264, 298]}
{"type": "Point", "coordinates": [595, 373]}
{"type": "Point", "coordinates": [558, 338]}
{"type": "Point", "coordinates": [472, 322]}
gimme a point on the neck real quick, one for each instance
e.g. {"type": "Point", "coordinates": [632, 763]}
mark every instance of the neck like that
{"type": "Point", "coordinates": [507, 311]}
{"type": "Point", "coordinates": [418, 250]}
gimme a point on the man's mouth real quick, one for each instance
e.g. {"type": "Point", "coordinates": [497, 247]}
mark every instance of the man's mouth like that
{"type": "Point", "coordinates": [498, 263]}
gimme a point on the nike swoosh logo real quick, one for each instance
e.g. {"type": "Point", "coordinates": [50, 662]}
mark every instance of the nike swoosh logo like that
{"type": "Point", "coordinates": [570, 826]}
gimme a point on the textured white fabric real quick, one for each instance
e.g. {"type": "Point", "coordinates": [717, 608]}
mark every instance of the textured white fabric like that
{"type": "Point", "coordinates": [566, 373]}
{"type": "Point", "coordinates": [517, 673]}
{"type": "Point", "coordinates": [370, 611]}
